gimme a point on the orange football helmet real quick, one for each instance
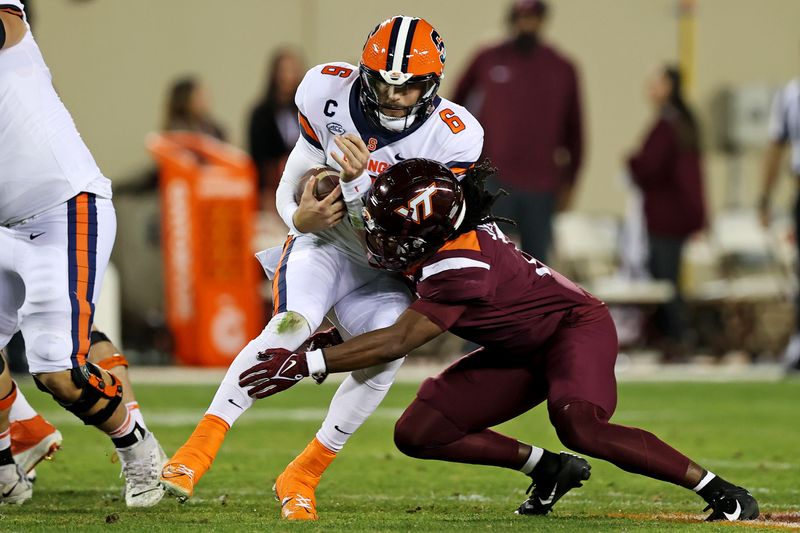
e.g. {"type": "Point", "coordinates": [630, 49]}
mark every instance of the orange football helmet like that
{"type": "Point", "coordinates": [400, 53]}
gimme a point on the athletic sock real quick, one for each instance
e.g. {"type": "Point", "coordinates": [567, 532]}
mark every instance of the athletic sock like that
{"type": "Point", "coordinates": [203, 445]}
{"type": "Point", "coordinates": [533, 460]}
{"type": "Point", "coordinates": [315, 459]}
{"type": "Point", "coordinates": [5, 448]}
{"type": "Point", "coordinates": [128, 433]}
{"type": "Point", "coordinates": [21, 409]}
{"type": "Point", "coordinates": [710, 485]}
{"type": "Point", "coordinates": [136, 414]}
{"type": "Point", "coordinates": [547, 466]}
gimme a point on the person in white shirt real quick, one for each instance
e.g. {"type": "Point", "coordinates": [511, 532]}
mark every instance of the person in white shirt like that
{"type": "Point", "coordinates": [57, 229]}
{"type": "Point", "coordinates": [784, 129]}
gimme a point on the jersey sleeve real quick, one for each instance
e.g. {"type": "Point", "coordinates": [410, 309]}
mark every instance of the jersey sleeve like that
{"type": "Point", "coordinates": [319, 85]}
{"type": "Point", "coordinates": [302, 100]}
{"type": "Point", "coordinates": [302, 157]}
{"type": "Point", "coordinates": [449, 283]}
{"type": "Point", "coordinates": [462, 138]}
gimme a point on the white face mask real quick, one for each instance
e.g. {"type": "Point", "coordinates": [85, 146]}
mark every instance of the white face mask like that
{"type": "Point", "coordinates": [396, 123]}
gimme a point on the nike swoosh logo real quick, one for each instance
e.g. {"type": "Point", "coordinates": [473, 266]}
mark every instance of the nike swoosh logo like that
{"type": "Point", "coordinates": [340, 431]}
{"type": "Point", "coordinates": [35, 235]}
{"type": "Point", "coordinates": [7, 494]}
{"type": "Point", "coordinates": [736, 514]}
{"type": "Point", "coordinates": [234, 403]}
{"type": "Point", "coordinates": [399, 157]}
{"type": "Point", "coordinates": [144, 492]}
{"type": "Point", "coordinates": [549, 500]}
{"type": "Point", "coordinates": [290, 365]}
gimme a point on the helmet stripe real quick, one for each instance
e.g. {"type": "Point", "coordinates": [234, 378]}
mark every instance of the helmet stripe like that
{"type": "Point", "coordinates": [407, 47]}
{"type": "Point", "coordinates": [400, 44]}
{"type": "Point", "coordinates": [390, 48]}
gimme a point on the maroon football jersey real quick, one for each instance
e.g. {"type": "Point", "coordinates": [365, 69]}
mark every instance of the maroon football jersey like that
{"type": "Point", "coordinates": [485, 290]}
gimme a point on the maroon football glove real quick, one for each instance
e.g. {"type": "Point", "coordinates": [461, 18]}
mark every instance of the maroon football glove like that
{"type": "Point", "coordinates": [322, 339]}
{"type": "Point", "coordinates": [279, 370]}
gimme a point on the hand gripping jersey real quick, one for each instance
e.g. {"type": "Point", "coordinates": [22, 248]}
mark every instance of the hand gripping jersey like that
{"type": "Point", "coordinates": [43, 160]}
{"type": "Point", "coordinates": [328, 104]}
{"type": "Point", "coordinates": [485, 290]}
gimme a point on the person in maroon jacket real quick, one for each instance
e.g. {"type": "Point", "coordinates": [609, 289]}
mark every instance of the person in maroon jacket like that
{"type": "Point", "coordinates": [526, 95]}
{"type": "Point", "coordinates": [543, 338]}
{"type": "Point", "coordinates": [668, 170]}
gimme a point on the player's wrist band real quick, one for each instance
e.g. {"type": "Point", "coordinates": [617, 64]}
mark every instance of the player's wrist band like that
{"type": "Point", "coordinates": [315, 360]}
{"type": "Point", "coordinates": [353, 190]}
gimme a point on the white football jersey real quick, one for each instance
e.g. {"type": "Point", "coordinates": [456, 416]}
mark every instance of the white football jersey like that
{"type": "Point", "coordinates": [43, 160]}
{"type": "Point", "coordinates": [328, 102]}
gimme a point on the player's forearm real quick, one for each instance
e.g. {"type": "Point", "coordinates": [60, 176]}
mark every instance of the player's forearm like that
{"type": "Point", "coordinates": [299, 161]}
{"type": "Point", "coordinates": [12, 30]}
{"type": "Point", "coordinates": [373, 348]}
{"type": "Point", "coordinates": [772, 162]}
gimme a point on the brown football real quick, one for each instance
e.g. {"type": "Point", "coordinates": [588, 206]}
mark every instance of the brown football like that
{"type": "Point", "coordinates": [327, 179]}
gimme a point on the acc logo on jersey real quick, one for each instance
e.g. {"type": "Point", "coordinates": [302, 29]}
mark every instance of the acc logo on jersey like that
{"type": "Point", "coordinates": [335, 128]}
{"type": "Point", "coordinates": [420, 207]}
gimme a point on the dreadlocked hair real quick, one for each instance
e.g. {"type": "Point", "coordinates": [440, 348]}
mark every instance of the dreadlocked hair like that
{"type": "Point", "coordinates": [479, 200]}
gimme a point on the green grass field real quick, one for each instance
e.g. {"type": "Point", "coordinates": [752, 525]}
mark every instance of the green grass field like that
{"type": "Point", "coordinates": [747, 432]}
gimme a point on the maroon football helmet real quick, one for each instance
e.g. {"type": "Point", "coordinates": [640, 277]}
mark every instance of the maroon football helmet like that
{"type": "Point", "coordinates": [411, 210]}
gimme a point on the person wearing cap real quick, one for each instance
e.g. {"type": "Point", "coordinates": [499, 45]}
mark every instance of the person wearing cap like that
{"type": "Point", "coordinates": [526, 94]}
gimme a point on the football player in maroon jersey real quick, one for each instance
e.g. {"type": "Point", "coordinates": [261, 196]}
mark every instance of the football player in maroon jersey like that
{"type": "Point", "coordinates": [543, 338]}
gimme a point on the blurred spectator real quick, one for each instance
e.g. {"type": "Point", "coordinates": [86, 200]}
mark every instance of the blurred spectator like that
{"type": "Point", "coordinates": [526, 95]}
{"type": "Point", "coordinates": [274, 129]}
{"type": "Point", "coordinates": [784, 129]}
{"type": "Point", "coordinates": [189, 109]}
{"type": "Point", "coordinates": [668, 170]}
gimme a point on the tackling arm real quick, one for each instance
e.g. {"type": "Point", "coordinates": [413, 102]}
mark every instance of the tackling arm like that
{"type": "Point", "coordinates": [411, 331]}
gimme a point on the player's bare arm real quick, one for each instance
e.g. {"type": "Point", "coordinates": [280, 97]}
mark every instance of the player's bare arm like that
{"type": "Point", "coordinates": [354, 158]}
{"type": "Point", "coordinates": [12, 31]}
{"type": "Point", "coordinates": [314, 215]}
{"type": "Point", "coordinates": [281, 368]}
{"type": "Point", "coordinates": [772, 161]}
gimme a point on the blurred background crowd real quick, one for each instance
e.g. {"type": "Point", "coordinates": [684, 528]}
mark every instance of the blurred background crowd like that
{"type": "Point", "coordinates": [643, 144]}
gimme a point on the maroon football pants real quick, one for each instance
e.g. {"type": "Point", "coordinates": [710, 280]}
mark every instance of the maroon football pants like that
{"type": "Point", "coordinates": [574, 372]}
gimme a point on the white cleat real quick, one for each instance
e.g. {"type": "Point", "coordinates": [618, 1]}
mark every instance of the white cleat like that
{"type": "Point", "coordinates": [141, 466]}
{"type": "Point", "coordinates": [14, 485]}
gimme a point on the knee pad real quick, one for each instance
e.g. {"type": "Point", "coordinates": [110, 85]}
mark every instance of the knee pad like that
{"type": "Point", "coordinates": [94, 387]}
{"type": "Point", "coordinates": [49, 345]}
{"type": "Point", "coordinates": [290, 329]}
{"type": "Point", "coordinates": [423, 427]}
{"type": "Point", "coordinates": [576, 425]}
{"type": "Point", "coordinates": [379, 377]}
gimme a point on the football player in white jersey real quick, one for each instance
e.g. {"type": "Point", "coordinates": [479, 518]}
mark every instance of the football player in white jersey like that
{"type": "Point", "coordinates": [57, 228]}
{"type": "Point", "coordinates": [359, 119]}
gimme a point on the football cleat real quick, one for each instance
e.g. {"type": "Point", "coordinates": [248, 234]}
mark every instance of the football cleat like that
{"type": "Point", "coordinates": [141, 466]}
{"type": "Point", "coordinates": [14, 485]}
{"type": "Point", "coordinates": [732, 504]}
{"type": "Point", "coordinates": [178, 480]}
{"type": "Point", "coordinates": [33, 440]}
{"type": "Point", "coordinates": [295, 489]}
{"type": "Point", "coordinates": [544, 494]}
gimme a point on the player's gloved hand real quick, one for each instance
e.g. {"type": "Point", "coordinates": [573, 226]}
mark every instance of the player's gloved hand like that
{"type": "Point", "coordinates": [279, 370]}
{"type": "Point", "coordinates": [354, 158]}
{"type": "Point", "coordinates": [314, 215]}
{"type": "Point", "coordinates": [322, 339]}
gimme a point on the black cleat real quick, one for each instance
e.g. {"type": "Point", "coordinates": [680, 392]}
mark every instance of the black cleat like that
{"type": "Point", "coordinates": [544, 495]}
{"type": "Point", "coordinates": [732, 504]}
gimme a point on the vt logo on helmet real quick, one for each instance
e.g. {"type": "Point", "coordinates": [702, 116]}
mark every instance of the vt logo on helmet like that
{"type": "Point", "coordinates": [411, 210]}
{"type": "Point", "coordinates": [401, 67]}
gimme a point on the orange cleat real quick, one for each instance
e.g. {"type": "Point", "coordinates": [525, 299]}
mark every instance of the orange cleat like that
{"type": "Point", "coordinates": [33, 440]}
{"type": "Point", "coordinates": [192, 460]}
{"type": "Point", "coordinates": [295, 489]}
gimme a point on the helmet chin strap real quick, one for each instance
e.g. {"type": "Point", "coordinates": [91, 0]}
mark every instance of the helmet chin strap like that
{"type": "Point", "coordinates": [396, 123]}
